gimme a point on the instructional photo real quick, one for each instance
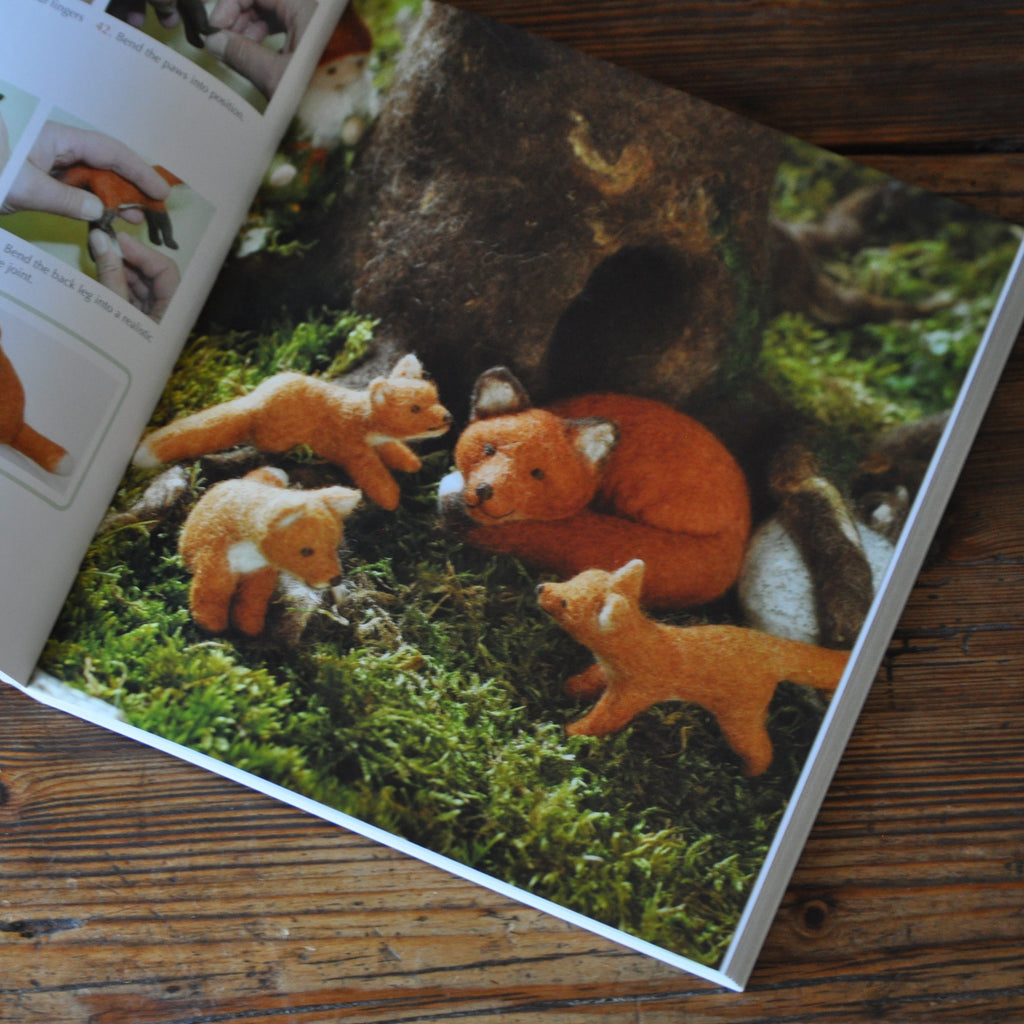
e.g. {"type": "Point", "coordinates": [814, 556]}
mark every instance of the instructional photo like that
{"type": "Point", "coordinates": [16, 108]}
{"type": "Point", "coordinates": [245, 44]}
{"type": "Point", "coordinates": [133, 230]}
{"type": "Point", "coordinates": [57, 398]}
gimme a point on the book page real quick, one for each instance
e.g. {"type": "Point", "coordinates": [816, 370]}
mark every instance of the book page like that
{"type": "Point", "coordinates": [103, 98]}
{"type": "Point", "coordinates": [541, 485]}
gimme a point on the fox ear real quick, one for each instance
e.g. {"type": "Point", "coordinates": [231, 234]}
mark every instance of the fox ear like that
{"type": "Point", "coordinates": [613, 612]}
{"type": "Point", "coordinates": [342, 500]}
{"type": "Point", "coordinates": [379, 390]}
{"type": "Point", "coordinates": [629, 580]}
{"type": "Point", "coordinates": [497, 392]}
{"type": "Point", "coordinates": [408, 366]}
{"type": "Point", "coordinates": [595, 438]}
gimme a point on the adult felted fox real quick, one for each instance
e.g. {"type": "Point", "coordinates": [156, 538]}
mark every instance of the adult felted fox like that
{"type": "Point", "coordinates": [14, 431]}
{"type": "Point", "coordinates": [598, 479]}
{"type": "Point", "coordinates": [364, 432]}
{"type": "Point", "coordinates": [117, 193]}
{"type": "Point", "coordinates": [728, 670]}
{"type": "Point", "coordinates": [242, 534]}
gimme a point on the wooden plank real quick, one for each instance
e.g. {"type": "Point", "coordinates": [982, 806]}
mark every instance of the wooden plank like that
{"type": "Point", "coordinates": [134, 888]}
{"type": "Point", "coordinates": [845, 75]}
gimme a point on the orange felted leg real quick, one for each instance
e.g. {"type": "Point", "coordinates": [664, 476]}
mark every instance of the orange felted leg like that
{"type": "Point", "coordinates": [249, 611]}
{"type": "Point", "coordinates": [590, 683]}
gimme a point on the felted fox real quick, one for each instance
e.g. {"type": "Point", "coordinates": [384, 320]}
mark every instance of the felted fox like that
{"type": "Point", "coordinates": [243, 533]}
{"type": "Point", "coordinates": [728, 670]}
{"type": "Point", "coordinates": [364, 432]}
{"type": "Point", "coordinates": [14, 431]}
{"type": "Point", "coordinates": [595, 480]}
{"type": "Point", "coordinates": [117, 194]}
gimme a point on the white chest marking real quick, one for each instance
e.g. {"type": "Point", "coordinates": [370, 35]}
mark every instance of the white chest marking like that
{"type": "Point", "coordinates": [451, 483]}
{"type": "Point", "coordinates": [245, 557]}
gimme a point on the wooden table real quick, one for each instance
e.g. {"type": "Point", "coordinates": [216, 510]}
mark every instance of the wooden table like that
{"type": "Point", "coordinates": [135, 888]}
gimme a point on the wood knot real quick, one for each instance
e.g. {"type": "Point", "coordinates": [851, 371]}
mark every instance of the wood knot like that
{"type": "Point", "coordinates": [813, 918]}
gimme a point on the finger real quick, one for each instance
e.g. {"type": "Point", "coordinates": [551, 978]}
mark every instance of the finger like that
{"type": "Point", "coordinates": [106, 255]}
{"type": "Point", "coordinates": [152, 276]}
{"type": "Point", "coordinates": [255, 62]}
{"type": "Point", "coordinates": [35, 190]}
{"type": "Point", "coordinates": [99, 150]}
{"type": "Point", "coordinates": [225, 13]}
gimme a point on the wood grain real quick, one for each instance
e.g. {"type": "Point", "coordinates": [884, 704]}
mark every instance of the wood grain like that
{"type": "Point", "coordinates": [135, 888]}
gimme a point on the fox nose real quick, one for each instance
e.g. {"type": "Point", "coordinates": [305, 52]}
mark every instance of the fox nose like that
{"type": "Point", "coordinates": [540, 588]}
{"type": "Point", "coordinates": [336, 581]}
{"type": "Point", "coordinates": [448, 419]}
{"type": "Point", "coordinates": [484, 491]}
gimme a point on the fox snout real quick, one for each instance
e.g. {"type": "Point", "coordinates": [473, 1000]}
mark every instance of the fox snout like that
{"type": "Point", "coordinates": [549, 599]}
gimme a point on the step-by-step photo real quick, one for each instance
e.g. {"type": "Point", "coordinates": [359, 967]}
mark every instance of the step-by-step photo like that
{"type": "Point", "coordinates": [57, 399]}
{"type": "Point", "coordinates": [102, 210]}
{"type": "Point", "coordinates": [245, 44]}
{"type": "Point", "coordinates": [16, 107]}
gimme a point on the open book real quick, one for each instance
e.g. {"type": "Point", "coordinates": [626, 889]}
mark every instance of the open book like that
{"type": "Point", "coordinates": [485, 449]}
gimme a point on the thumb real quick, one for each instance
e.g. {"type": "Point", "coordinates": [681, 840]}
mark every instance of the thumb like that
{"type": "Point", "coordinates": [262, 66]}
{"type": "Point", "coordinates": [106, 254]}
{"type": "Point", "coordinates": [35, 190]}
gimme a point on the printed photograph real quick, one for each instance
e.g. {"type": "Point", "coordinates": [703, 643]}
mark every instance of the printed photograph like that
{"type": "Point", "coordinates": [57, 398]}
{"type": "Point", "coordinates": [133, 229]}
{"type": "Point", "coordinates": [528, 479]}
{"type": "Point", "coordinates": [16, 108]}
{"type": "Point", "coordinates": [244, 44]}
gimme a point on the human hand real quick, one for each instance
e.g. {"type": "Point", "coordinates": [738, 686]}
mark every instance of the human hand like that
{"type": "Point", "coordinates": [5, 144]}
{"type": "Point", "coordinates": [241, 26]}
{"type": "Point", "coordinates": [142, 276]}
{"type": "Point", "coordinates": [170, 13]}
{"type": "Point", "coordinates": [60, 145]}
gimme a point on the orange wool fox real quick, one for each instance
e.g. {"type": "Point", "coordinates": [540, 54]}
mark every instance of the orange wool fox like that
{"type": "Point", "coordinates": [242, 534]}
{"type": "Point", "coordinates": [364, 432]}
{"type": "Point", "coordinates": [728, 670]}
{"type": "Point", "coordinates": [117, 194]}
{"type": "Point", "coordinates": [596, 480]}
{"type": "Point", "coordinates": [14, 431]}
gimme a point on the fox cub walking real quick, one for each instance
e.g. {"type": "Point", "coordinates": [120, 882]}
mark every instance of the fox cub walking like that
{"type": "Point", "coordinates": [364, 432]}
{"type": "Point", "coordinates": [728, 670]}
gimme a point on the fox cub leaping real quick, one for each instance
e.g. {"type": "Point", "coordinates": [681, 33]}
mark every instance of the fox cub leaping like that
{"type": "Point", "coordinates": [364, 432]}
{"type": "Point", "coordinates": [728, 670]}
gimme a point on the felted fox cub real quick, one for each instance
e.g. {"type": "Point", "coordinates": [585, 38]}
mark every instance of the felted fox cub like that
{"type": "Point", "coordinates": [117, 194]}
{"type": "Point", "coordinates": [728, 670]}
{"type": "Point", "coordinates": [595, 480]}
{"type": "Point", "coordinates": [364, 432]}
{"type": "Point", "coordinates": [14, 431]}
{"type": "Point", "coordinates": [243, 533]}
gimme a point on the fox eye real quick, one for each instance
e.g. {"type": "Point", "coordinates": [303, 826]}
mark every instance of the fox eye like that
{"type": "Point", "coordinates": [565, 603]}
{"type": "Point", "coordinates": [489, 449]}
{"type": "Point", "coordinates": [306, 552]}
{"type": "Point", "coordinates": [537, 474]}
{"type": "Point", "coordinates": [415, 408]}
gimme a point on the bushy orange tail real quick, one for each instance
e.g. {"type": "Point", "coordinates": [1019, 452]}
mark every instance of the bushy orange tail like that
{"type": "Point", "coordinates": [682, 569]}
{"type": "Point", "coordinates": [209, 430]}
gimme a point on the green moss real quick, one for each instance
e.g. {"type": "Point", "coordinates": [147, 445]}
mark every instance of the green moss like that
{"type": "Point", "coordinates": [430, 701]}
{"type": "Point", "coordinates": [431, 705]}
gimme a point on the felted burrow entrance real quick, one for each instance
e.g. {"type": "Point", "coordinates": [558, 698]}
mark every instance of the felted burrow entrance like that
{"type": "Point", "coordinates": [521, 204]}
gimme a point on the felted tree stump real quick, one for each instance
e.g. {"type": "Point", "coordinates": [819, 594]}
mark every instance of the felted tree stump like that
{"type": "Point", "coordinates": [519, 203]}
